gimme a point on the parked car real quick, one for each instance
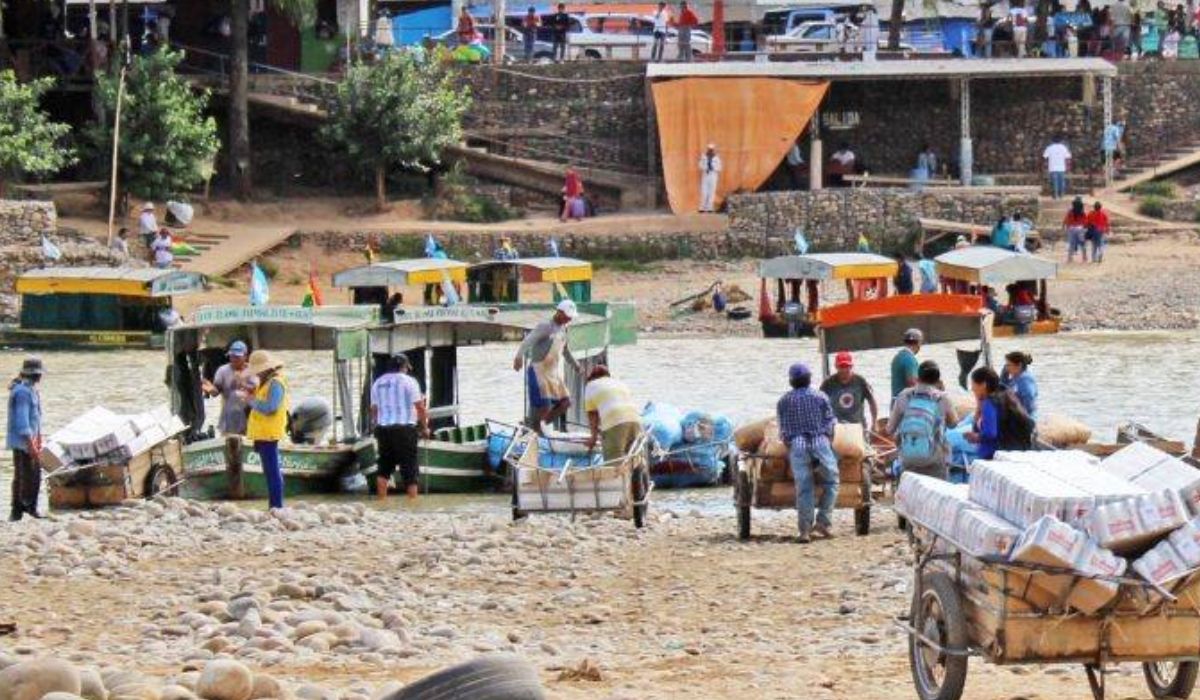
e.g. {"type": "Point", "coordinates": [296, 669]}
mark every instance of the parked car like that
{"type": "Point", "coordinates": [514, 44]}
{"type": "Point", "coordinates": [780, 22]}
{"type": "Point", "coordinates": [821, 37]}
{"type": "Point", "coordinates": [622, 36]}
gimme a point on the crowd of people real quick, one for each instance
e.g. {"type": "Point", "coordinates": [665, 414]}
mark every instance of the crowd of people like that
{"type": "Point", "coordinates": [1116, 31]}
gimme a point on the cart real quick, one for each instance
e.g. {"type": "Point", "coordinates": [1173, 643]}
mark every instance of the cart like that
{"type": "Point", "coordinates": [966, 606]}
{"type": "Point", "coordinates": [109, 481]}
{"type": "Point", "coordinates": [621, 485]}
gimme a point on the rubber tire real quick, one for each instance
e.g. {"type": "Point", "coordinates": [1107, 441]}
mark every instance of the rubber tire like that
{"type": "Point", "coordinates": [941, 587]}
{"type": "Point", "coordinates": [1181, 685]}
{"type": "Point", "coordinates": [592, 55]}
{"type": "Point", "coordinates": [154, 487]}
{"type": "Point", "coordinates": [901, 523]}
{"type": "Point", "coordinates": [491, 677]}
{"type": "Point", "coordinates": [640, 488]}
{"type": "Point", "coordinates": [741, 500]}
{"type": "Point", "coordinates": [862, 520]}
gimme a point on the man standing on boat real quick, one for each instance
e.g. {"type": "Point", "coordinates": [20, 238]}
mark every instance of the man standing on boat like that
{"type": "Point", "coordinates": [231, 378]}
{"type": "Point", "coordinates": [25, 438]}
{"type": "Point", "coordinates": [546, 346]}
{"type": "Point", "coordinates": [612, 415]}
{"type": "Point", "coordinates": [806, 425]}
{"type": "Point", "coordinates": [397, 409]}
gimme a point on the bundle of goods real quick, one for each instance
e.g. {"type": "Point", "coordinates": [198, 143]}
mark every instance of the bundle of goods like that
{"type": "Point", "coordinates": [555, 450]}
{"type": "Point", "coordinates": [769, 461]}
{"type": "Point", "coordinates": [101, 436]}
{"type": "Point", "coordinates": [1077, 524]}
{"type": "Point", "coordinates": [687, 449]}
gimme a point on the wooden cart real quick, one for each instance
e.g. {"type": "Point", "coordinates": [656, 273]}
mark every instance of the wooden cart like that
{"type": "Point", "coordinates": [617, 486]}
{"type": "Point", "coordinates": [109, 482]}
{"type": "Point", "coordinates": [965, 606]}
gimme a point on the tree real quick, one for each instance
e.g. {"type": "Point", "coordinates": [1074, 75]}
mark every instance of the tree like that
{"type": "Point", "coordinates": [30, 144]}
{"type": "Point", "coordinates": [166, 141]}
{"type": "Point", "coordinates": [240, 173]}
{"type": "Point", "coordinates": [400, 112]}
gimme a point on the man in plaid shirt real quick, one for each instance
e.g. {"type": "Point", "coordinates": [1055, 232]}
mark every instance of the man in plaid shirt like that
{"type": "Point", "coordinates": [806, 426]}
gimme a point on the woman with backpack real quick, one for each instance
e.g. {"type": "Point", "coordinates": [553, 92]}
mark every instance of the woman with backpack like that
{"type": "Point", "coordinates": [1001, 424]}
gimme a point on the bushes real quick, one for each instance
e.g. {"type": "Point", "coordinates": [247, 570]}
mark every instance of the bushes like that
{"type": "Point", "coordinates": [1156, 188]}
{"type": "Point", "coordinates": [1153, 206]}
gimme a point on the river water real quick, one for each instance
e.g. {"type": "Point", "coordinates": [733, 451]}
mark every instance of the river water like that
{"type": "Point", "coordinates": [1098, 378]}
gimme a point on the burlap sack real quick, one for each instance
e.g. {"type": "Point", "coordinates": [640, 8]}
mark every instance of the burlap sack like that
{"type": "Point", "coordinates": [848, 442]}
{"type": "Point", "coordinates": [749, 436]}
{"type": "Point", "coordinates": [1062, 431]}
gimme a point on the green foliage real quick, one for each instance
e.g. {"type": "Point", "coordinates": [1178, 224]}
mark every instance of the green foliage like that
{"type": "Point", "coordinates": [167, 143]}
{"type": "Point", "coordinates": [619, 265]}
{"type": "Point", "coordinates": [302, 12]}
{"type": "Point", "coordinates": [30, 144]}
{"type": "Point", "coordinates": [398, 113]}
{"type": "Point", "coordinates": [1153, 206]}
{"type": "Point", "coordinates": [402, 247]}
{"type": "Point", "coordinates": [1156, 188]}
{"type": "Point", "coordinates": [269, 268]}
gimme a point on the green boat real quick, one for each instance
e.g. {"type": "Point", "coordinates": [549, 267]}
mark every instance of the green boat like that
{"type": "Point", "coordinates": [101, 308]}
{"type": "Point", "coordinates": [197, 348]}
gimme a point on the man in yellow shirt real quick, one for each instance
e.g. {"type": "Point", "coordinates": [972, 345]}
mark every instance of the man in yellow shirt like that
{"type": "Point", "coordinates": [612, 415]}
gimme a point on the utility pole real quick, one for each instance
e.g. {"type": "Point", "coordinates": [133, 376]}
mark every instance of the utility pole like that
{"type": "Point", "coordinates": [500, 31]}
{"type": "Point", "coordinates": [116, 149]}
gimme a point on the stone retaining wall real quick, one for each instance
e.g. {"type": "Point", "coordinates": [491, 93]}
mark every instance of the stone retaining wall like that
{"type": "Point", "coordinates": [24, 222]}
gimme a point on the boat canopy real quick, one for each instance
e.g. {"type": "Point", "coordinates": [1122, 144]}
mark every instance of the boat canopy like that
{"type": "Point", "coordinates": [460, 325]}
{"type": "Point", "coordinates": [560, 270]}
{"type": "Point", "coordinates": [993, 267]}
{"type": "Point", "coordinates": [400, 273]}
{"type": "Point", "coordinates": [144, 282]}
{"type": "Point", "coordinates": [342, 329]}
{"type": "Point", "coordinates": [880, 323]}
{"type": "Point", "coordinates": [828, 266]}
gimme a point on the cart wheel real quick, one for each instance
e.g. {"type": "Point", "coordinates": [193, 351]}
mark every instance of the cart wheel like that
{"type": "Point", "coordinates": [1171, 679]}
{"type": "Point", "coordinates": [937, 615]}
{"type": "Point", "coordinates": [862, 520]}
{"type": "Point", "coordinates": [901, 523]}
{"type": "Point", "coordinates": [160, 482]}
{"type": "Point", "coordinates": [640, 488]}
{"type": "Point", "coordinates": [741, 500]}
{"type": "Point", "coordinates": [517, 513]}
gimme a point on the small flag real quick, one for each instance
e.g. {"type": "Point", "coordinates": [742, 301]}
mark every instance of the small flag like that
{"type": "Point", "coordinates": [431, 246]}
{"type": "Point", "coordinates": [260, 293]}
{"type": "Point", "coordinates": [864, 246]}
{"type": "Point", "coordinates": [552, 245]}
{"type": "Point", "coordinates": [312, 295]}
{"type": "Point", "coordinates": [449, 293]}
{"type": "Point", "coordinates": [49, 250]}
{"type": "Point", "coordinates": [370, 254]}
{"type": "Point", "coordinates": [801, 242]}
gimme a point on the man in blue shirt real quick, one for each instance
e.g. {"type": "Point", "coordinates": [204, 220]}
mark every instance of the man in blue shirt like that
{"type": "Point", "coordinates": [806, 425]}
{"type": "Point", "coordinates": [24, 438]}
{"type": "Point", "coordinates": [904, 364]}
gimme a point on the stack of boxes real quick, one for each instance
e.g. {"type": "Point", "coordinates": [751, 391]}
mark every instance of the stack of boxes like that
{"type": "Point", "coordinates": [101, 436]}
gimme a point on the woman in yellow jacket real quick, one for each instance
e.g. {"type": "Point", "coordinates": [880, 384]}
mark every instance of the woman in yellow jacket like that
{"type": "Point", "coordinates": [268, 420]}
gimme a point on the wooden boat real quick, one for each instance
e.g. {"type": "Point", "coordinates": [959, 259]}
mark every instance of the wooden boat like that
{"type": "Point", "coordinates": [799, 281]}
{"type": "Point", "coordinates": [197, 348]}
{"type": "Point", "coordinates": [983, 268]}
{"type": "Point", "coordinates": [97, 307]}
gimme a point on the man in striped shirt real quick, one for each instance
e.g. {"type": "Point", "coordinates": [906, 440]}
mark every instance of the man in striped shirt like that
{"type": "Point", "coordinates": [397, 409]}
{"type": "Point", "coordinates": [806, 425]}
{"type": "Point", "coordinates": [612, 414]}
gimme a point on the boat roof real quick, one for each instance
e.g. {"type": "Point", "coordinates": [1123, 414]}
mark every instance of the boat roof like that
{"type": "Point", "coordinates": [543, 269]}
{"type": "Point", "coordinates": [399, 273]}
{"type": "Point", "coordinates": [881, 323]}
{"type": "Point", "coordinates": [339, 328]}
{"type": "Point", "coordinates": [120, 281]}
{"type": "Point", "coordinates": [992, 266]}
{"type": "Point", "coordinates": [471, 324]}
{"type": "Point", "coordinates": [828, 266]}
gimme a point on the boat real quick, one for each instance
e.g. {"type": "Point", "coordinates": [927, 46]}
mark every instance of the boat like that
{"type": "Point", "coordinates": [196, 348]}
{"type": "Point", "coordinates": [375, 283]}
{"type": "Point", "coordinates": [97, 307]}
{"type": "Point", "coordinates": [982, 268]}
{"type": "Point", "coordinates": [801, 282]}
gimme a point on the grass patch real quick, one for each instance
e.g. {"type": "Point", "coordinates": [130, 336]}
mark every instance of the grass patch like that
{"type": "Point", "coordinates": [624, 265]}
{"type": "Point", "coordinates": [1153, 206]}
{"type": "Point", "coordinates": [402, 247]}
{"type": "Point", "coordinates": [1158, 188]}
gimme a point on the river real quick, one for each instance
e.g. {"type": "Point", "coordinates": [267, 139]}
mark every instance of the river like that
{"type": "Point", "coordinates": [1101, 379]}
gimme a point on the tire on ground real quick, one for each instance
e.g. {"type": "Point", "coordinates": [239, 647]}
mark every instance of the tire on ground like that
{"type": "Point", "coordinates": [491, 677]}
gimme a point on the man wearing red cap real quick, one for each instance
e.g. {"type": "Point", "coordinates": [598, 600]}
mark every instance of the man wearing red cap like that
{"type": "Point", "coordinates": [849, 391]}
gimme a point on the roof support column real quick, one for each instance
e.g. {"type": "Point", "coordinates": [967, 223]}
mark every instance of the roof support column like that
{"type": "Point", "coordinates": [965, 155]}
{"type": "Point", "coordinates": [816, 159]}
{"type": "Point", "coordinates": [1107, 86]}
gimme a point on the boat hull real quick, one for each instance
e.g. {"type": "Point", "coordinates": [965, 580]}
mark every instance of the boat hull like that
{"type": "Point", "coordinates": [448, 467]}
{"type": "Point", "coordinates": [1047, 327]}
{"type": "Point", "coordinates": [307, 469]}
{"type": "Point", "coordinates": [14, 336]}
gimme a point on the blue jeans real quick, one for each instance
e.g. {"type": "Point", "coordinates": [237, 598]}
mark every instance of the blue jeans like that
{"type": "Point", "coordinates": [1058, 185]}
{"type": "Point", "coordinates": [268, 455]}
{"type": "Point", "coordinates": [804, 453]}
{"type": "Point", "coordinates": [529, 38]}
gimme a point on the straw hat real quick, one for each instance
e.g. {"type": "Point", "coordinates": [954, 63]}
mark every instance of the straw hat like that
{"type": "Point", "coordinates": [261, 361]}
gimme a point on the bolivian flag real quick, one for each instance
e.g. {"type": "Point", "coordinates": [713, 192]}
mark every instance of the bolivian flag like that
{"type": "Point", "coordinates": [312, 295]}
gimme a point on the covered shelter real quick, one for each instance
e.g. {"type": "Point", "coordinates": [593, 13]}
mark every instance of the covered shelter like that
{"type": "Point", "coordinates": [979, 270]}
{"type": "Point", "coordinates": [866, 276]}
{"type": "Point", "coordinates": [754, 111]}
{"type": "Point", "coordinates": [372, 284]}
{"type": "Point", "coordinates": [499, 281]}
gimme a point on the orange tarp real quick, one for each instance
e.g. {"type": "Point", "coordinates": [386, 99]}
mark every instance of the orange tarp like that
{"type": "Point", "coordinates": [752, 122]}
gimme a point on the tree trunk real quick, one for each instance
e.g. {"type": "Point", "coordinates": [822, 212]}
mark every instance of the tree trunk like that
{"type": "Point", "coordinates": [894, 24]}
{"type": "Point", "coordinates": [380, 188]}
{"type": "Point", "coordinates": [239, 107]}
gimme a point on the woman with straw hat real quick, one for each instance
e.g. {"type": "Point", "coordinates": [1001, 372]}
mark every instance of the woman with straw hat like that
{"type": "Point", "coordinates": [268, 419]}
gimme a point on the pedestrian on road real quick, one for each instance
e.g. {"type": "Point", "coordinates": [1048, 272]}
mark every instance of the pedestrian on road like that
{"type": "Point", "coordinates": [1110, 144]}
{"type": "Point", "coordinates": [1058, 162]}
{"type": "Point", "coordinates": [1097, 231]}
{"type": "Point", "coordinates": [147, 224]}
{"type": "Point", "coordinates": [710, 172]}
{"type": "Point", "coordinates": [920, 415]}
{"type": "Point", "coordinates": [161, 250]}
{"type": "Point", "coordinates": [232, 380]}
{"type": "Point", "coordinates": [904, 363]}
{"type": "Point", "coordinates": [268, 420]}
{"type": "Point", "coordinates": [684, 25]}
{"type": "Point", "coordinates": [25, 438]}
{"type": "Point", "coordinates": [529, 30]}
{"type": "Point", "coordinates": [662, 19]}
{"type": "Point", "coordinates": [1121, 16]}
{"type": "Point", "coordinates": [806, 425]}
{"type": "Point", "coordinates": [849, 392]}
{"type": "Point", "coordinates": [1075, 225]}
{"type": "Point", "coordinates": [401, 419]}
{"type": "Point", "coordinates": [560, 25]}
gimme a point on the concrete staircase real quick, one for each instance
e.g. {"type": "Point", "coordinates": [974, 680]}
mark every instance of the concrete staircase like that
{"type": "Point", "coordinates": [1141, 169]}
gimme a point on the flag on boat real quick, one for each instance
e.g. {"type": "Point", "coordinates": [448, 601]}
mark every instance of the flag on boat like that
{"type": "Point", "coordinates": [312, 294]}
{"type": "Point", "coordinates": [260, 293]}
{"type": "Point", "coordinates": [864, 245]}
{"type": "Point", "coordinates": [49, 250]}
{"type": "Point", "coordinates": [369, 252]}
{"type": "Point", "coordinates": [552, 245]}
{"type": "Point", "coordinates": [449, 293]}
{"type": "Point", "coordinates": [433, 249]}
{"type": "Point", "coordinates": [801, 242]}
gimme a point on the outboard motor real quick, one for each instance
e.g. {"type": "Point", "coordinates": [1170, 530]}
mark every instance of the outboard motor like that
{"type": "Point", "coordinates": [309, 421]}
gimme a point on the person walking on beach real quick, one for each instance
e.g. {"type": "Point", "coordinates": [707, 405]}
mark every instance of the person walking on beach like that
{"type": "Point", "coordinates": [849, 393]}
{"type": "Point", "coordinates": [231, 379]}
{"type": "Point", "coordinates": [613, 417]}
{"type": "Point", "coordinates": [1110, 143]}
{"type": "Point", "coordinates": [904, 363]}
{"type": "Point", "coordinates": [1058, 162]}
{"type": "Point", "coordinates": [560, 25]}
{"type": "Point", "coordinates": [400, 418]}
{"type": "Point", "coordinates": [684, 25]}
{"type": "Point", "coordinates": [1075, 226]}
{"type": "Point", "coordinates": [1018, 379]}
{"type": "Point", "coordinates": [529, 30]}
{"type": "Point", "coordinates": [1097, 231]}
{"type": "Point", "coordinates": [546, 346]}
{"type": "Point", "coordinates": [918, 423]}
{"type": "Point", "coordinates": [806, 425]}
{"type": "Point", "coordinates": [710, 172]}
{"type": "Point", "coordinates": [268, 419]}
{"type": "Point", "coordinates": [662, 19]}
{"type": "Point", "coordinates": [24, 438]}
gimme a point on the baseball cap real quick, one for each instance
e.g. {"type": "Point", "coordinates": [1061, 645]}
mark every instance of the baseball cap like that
{"type": "Point", "coordinates": [238, 349]}
{"type": "Point", "coordinates": [799, 371]}
{"type": "Point", "coordinates": [913, 335]}
{"type": "Point", "coordinates": [844, 359]}
{"type": "Point", "coordinates": [568, 308]}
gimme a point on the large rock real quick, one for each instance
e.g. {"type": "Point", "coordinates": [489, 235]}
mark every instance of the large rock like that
{"type": "Point", "coordinates": [30, 680]}
{"type": "Point", "coordinates": [223, 679]}
{"type": "Point", "coordinates": [92, 686]}
{"type": "Point", "coordinates": [266, 686]}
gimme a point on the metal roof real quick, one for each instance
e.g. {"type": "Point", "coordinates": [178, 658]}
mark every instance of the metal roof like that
{"type": "Point", "coordinates": [401, 273]}
{"type": "Point", "coordinates": [827, 266]}
{"type": "Point", "coordinates": [913, 69]}
{"type": "Point", "coordinates": [133, 274]}
{"type": "Point", "coordinates": [992, 266]}
{"type": "Point", "coordinates": [121, 281]}
{"type": "Point", "coordinates": [539, 263]}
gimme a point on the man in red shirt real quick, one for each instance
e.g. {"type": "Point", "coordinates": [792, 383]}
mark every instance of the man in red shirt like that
{"type": "Point", "coordinates": [1097, 230]}
{"type": "Point", "coordinates": [685, 24]}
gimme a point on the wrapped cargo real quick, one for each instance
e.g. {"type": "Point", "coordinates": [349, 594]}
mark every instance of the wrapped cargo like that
{"type": "Point", "coordinates": [1134, 523]}
{"type": "Point", "coordinates": [1089, 595]}
{"type": "Point", "coordinates": [931, 502]}
{"type": "Point", "coordinates": [1186, 541]}
{"type": "Point", "coordinates": [1161, 564]}
{"type": "Point", "coordinates": [984, 534]}
{"type": "Point", "coordinates": [1155, 470]}
{"type": "Point", "coordinates": [1049, 542]}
